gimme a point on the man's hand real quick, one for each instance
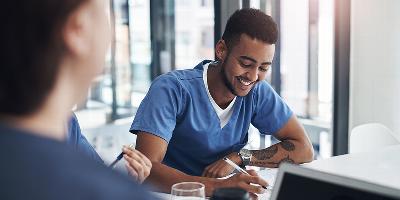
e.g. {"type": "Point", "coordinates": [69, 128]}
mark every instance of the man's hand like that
{"type": "Point", "coordinates": [138, 165]}
{"type": "Point", "coordinates": [220, 168]}
{"type": "Point", "coordinates": [251, 183]}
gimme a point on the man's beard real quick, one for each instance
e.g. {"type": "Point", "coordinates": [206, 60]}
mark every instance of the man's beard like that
{"type": "Point", "coordinates": [226, 80]}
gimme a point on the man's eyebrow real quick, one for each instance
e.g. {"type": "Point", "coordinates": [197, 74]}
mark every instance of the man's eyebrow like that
{"type": "Point", "coordinates": [248, 58]}
{"type": "Point", "coordinates": [267, 63]}
{"type": "Point", "coordinates": [255, 61]}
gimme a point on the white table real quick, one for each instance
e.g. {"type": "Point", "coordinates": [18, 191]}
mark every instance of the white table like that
{"type": "Point", "coordinates": [381, 167]}
{"type": "Point", "coordinates": [164, 196]}
{"type": "Point", "coordinates": [268, 174]}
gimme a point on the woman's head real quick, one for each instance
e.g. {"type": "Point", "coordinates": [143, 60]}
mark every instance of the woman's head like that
{"type": "Point", "coordinates": [44, 42]}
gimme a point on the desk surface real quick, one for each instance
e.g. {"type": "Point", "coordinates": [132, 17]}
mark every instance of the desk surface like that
{"type": "Point", "coordinates": [164, 196]}
{"type": "Point", "coordinates": [381, 167]}
{"type": "Point", "coordinates": [268, 174]}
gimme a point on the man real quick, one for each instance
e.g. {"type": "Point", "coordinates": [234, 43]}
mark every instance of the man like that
{"type": "Point", "coordinates": [51, 51]}
{"type": "Point", "coordinates": [137, 165]}
{"type": "Point", "coordinates": [191, 119]}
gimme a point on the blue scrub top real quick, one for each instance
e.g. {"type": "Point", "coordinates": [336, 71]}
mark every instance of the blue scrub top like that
{"type": "Point", "coordinates": [36, 167]}
{"type": "Point", "coordinates": [178, 110]}
{"type": "Point", "coordinates": [78, 141]}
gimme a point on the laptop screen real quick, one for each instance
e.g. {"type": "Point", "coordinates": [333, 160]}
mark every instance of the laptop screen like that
{"type": "Point", "coordinates": [301, 183]}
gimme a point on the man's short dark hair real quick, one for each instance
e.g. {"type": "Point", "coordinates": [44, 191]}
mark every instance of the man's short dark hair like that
{"type": "Point", "coordinates": [252, 22]}
{"type": "Point", "coordinates": [31, 49]}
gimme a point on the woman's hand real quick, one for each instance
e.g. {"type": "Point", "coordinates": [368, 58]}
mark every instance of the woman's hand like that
{"type": "Point", "coordinates": [138, 165]}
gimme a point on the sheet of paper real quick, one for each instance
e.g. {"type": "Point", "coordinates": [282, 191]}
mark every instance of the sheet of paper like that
{"type": "Point", "coordinates": [269, 174]}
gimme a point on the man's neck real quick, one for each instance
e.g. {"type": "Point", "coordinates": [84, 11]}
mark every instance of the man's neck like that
{"type": "Point", "coordinates": [217, 88]}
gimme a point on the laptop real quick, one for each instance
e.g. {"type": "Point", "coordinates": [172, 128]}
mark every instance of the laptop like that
{"type": "Point", "coordinates": [296, 182]}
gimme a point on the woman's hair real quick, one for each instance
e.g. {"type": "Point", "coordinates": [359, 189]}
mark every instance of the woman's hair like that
{"type": "Point", "coordinates": [32, 47]}
{"type": "Point", "coordinates": [252, 22]}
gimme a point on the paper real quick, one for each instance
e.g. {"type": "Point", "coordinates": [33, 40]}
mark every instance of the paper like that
{"type": "Point", "coordinates": [269, 174]}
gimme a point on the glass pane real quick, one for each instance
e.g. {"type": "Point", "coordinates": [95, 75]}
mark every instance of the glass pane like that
{"type": "Point", "coordinates": [306, 66]}
{"type": "Point", "coordinates": [255, 4]}
{"type": "Point", "coordinates": [123, 69]}
{"type": "Point", "coordinates": [140, 44]}
{"type": "Point", "coordinates": [140, 47]}
{"type": "Point", "coordinates": [265, 6]}
{"type": "Point", "coordinates": [294, 54]}
{"type": "Point", "coordinates": [325, 60]}
{"type": "Point", "coordinates": [194, 32]}
{"type": "Point", "coordinates": [102, 90]}
{"type": "Point", "coordinates": [123, 72]}
{"type": "Point", "coordinates": [132, 61]}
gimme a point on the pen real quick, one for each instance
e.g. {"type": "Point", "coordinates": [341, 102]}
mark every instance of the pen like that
{"type": "Point", "coordinates": [119, 157]}
{"type": "Point", "coordinates": [234, 165]}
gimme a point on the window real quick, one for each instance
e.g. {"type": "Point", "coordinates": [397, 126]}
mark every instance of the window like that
{"type": "Point", "coordinates": [305, 63]}
{"type": "Point", "coordinates": [194, 29]}
{"type": "Point", "coordinates": [127, 71]}
{"type": "Point", "coordinates": [307, 66]}
{"type": "Point", "coordinates": [140, 45]}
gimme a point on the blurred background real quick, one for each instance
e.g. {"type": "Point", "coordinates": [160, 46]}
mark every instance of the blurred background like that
{"type": "Point", "coordinates": [336, 64]}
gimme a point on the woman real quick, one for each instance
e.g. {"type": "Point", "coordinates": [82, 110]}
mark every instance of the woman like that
{"type": "Point", "coordinates": [50, 53]}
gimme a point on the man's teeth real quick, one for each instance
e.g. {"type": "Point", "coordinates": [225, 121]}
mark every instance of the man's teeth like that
{"type": "Point", "coordinates": [246, 83]}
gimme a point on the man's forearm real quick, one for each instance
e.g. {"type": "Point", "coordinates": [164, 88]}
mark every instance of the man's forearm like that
{"type": "Point", "coordinates": [163, 177]}
{"type": "Point", "coordinates": [290, 151]}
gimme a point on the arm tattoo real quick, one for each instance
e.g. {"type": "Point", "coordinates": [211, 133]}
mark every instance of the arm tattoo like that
{"type": "Point", "coordinates": [263, 156]}
{"type": "Point", "coordinates": [286, 159]}
{"type": "Point", "coordinates": [265, 153]}
{"type": "Point", "coordinates": [272, 164]}
{"type": "Point", "coordinates": [287, 145]}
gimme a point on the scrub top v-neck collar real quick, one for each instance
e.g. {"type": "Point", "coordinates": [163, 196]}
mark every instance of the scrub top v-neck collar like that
{"type": "Point", "coordinates": [224, 115]}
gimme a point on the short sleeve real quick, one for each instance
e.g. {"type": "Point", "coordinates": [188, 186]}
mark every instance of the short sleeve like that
{"type": "Point", "coordinates": [158, 112]}
{"type": "Point", "coordinates": [270, 113]}
{"type": "Point", "coordinates": [78, 141]}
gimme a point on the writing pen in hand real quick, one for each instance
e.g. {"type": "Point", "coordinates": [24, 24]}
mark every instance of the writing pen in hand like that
{"type": "Point", "coordinates": [234, 165]}
{"type": "Point", "coordinates": [119, 157]}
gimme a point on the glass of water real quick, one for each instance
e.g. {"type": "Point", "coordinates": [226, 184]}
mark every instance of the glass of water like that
{"type": "Point", "coordinates": [188, 191]}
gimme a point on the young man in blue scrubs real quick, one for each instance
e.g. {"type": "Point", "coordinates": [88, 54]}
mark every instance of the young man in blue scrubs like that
{"type": "Point", "coordinates": [191, 119]}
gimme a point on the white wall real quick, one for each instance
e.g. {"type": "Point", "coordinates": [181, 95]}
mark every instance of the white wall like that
{"type": "Point", "coordinates": [375, 63]}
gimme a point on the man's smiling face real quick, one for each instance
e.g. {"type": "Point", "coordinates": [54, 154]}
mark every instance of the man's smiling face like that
{"type": "Point", "coordinates": [246, 64]}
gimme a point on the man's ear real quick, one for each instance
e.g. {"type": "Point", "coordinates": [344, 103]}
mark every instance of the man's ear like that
{"type": "Point", "coordinates": [221, 50]}
{"type": "Point", "coordinates": [76, 33]}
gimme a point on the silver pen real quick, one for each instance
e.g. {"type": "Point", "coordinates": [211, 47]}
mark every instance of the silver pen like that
{"type": "Point", "coordinates": [234, 165]}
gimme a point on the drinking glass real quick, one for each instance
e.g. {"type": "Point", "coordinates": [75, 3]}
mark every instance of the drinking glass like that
{"type": "Point", "coordinates": [188, 191]}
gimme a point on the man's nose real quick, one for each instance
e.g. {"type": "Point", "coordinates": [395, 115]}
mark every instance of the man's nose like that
{"type": "Point", "coordinates": [252, 74]}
